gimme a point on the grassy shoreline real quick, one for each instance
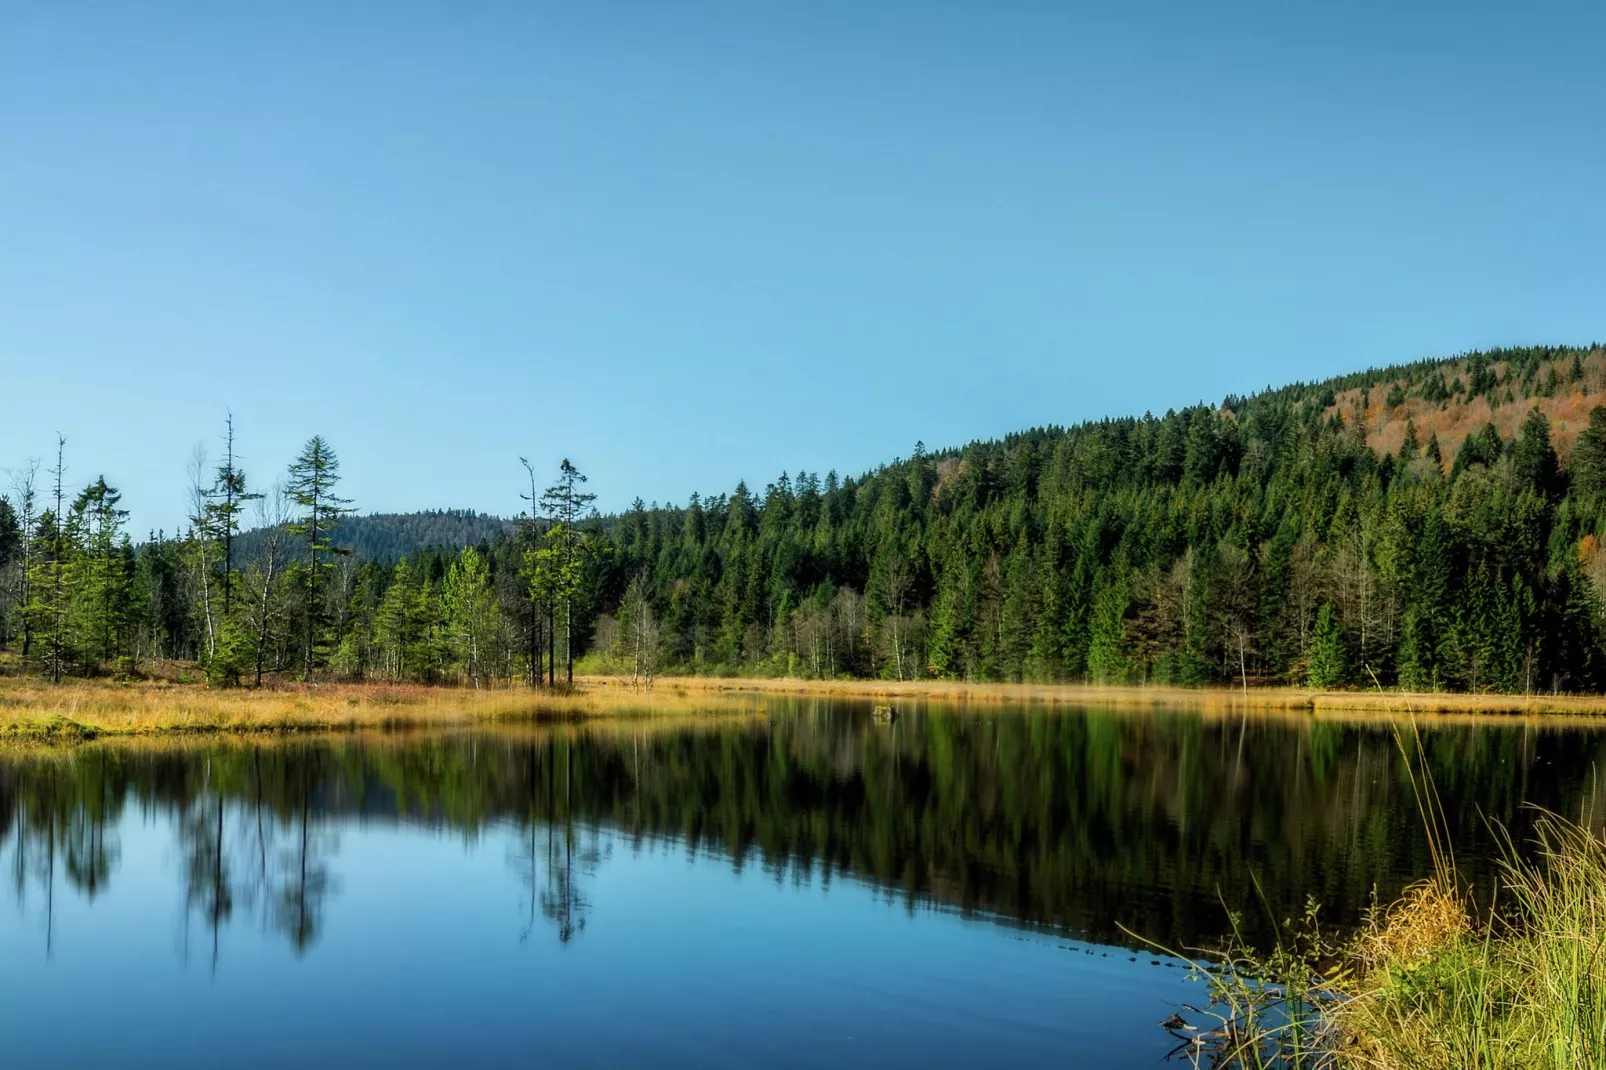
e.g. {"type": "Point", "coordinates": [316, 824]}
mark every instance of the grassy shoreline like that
{"type": "Point", "coordinates": [1431, 982]}
{"type": "Point", "coordinates": [31, 708]}
{"type": "Point", "coordinates": [1232, 699]}
{"type": "Point", "coordinates": [34, 710]}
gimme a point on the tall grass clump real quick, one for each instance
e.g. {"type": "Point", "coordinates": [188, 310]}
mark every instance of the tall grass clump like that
{"type": "Point", "coordinates": [1524, 989]}
{"type": "Point", "coordinates": [1430, 982]}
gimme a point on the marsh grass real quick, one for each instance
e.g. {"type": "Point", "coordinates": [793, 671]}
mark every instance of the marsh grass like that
{"type": "Point", "coordinates": [173, 701]}
{"type": "Point", "coordinates": [1525, 988]}
{"type": "Point", "coordinates": [1217, 700]}
{"type": "Point", "coordinates": [1430, 982]}
{"type": "Point", "coordinates": [33, 709]}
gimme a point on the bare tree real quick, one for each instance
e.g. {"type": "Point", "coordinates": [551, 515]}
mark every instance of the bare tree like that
{"type": "Point", "coordinates": [200, 540]}
{"type": "Point", "coordinates": [58, 571]}
{"type": "Point", "coordinates": [847, 628]}
{"type": "Point", "coordinates": [25, 498]}
{"type": "Point", "coordinates": [895, 587]}
{"type": "Point", "coordinates": [222, 510]}
{"type": "Point", "coordinates": [641, 633]}
{"type": "Point", "coordinates": [272, 514]}
{"type": "Point", "coordinates": [1234, 603]}
{"type": "Point", "coordinates": [530, 530]}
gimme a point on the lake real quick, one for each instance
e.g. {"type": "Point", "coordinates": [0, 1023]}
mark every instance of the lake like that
{"type": "Point", "coordinates": [808, 888]}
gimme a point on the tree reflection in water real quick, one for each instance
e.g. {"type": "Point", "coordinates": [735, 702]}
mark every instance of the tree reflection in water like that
{"type": "Point", "coordinates": [1075, 821]}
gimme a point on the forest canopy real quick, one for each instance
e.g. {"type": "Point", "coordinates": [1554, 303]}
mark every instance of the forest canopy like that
{"type": "Point", "coordinates": [1432, 526]}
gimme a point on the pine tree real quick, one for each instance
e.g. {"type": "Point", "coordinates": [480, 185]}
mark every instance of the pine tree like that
{"type": "Point", "coordinates": [54, 576]}
{"type": "Point", "coordinates": [1409, 448]}
{"type": "Point", "coordinates": [470, 611]}
{"type": "Point", "coordinates": [566, 551]}
{"type": "Point", "coordinates": [227, 498]}
{"type": "Point", "coordinates": [313, 476]}
{"type": "Point", "coordinates": [399, 622]}
{"type": "Point", "coordinates": [107, 580]}
{"type": "Point", "coordinates": [10, 551]}
{"type": "Point", "coordinates": [1533, 456]}
{"type": "Point", "coordinates": [1587, 465]}
{"type": "Point", "coordinates": [1328, 664]}
{"type": "Point", "coordinates": [951, 618]}
{"type": "Point", "coordinates": [25, 496]}
{"type": "Point", "coordinates": [1046, 658]}
{"type": "Point", "coordinates": [1107, 660]}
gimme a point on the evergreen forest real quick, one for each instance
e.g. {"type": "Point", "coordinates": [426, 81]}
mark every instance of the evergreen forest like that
{"type": "Point", "coordinates": [1434, 526]}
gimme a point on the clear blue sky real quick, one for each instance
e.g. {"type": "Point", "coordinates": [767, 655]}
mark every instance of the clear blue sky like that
{"type": "Point", "coordinates": [686, 242]}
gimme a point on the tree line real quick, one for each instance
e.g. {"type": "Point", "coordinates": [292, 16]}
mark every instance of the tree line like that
{"type": "Point", "coordinates": [1260, 541]}
{"type": "Point", "coordinates": [256, 588]}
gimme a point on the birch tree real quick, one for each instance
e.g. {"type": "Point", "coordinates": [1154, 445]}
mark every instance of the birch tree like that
{"type": "Point", "coordinates": [638, 629]}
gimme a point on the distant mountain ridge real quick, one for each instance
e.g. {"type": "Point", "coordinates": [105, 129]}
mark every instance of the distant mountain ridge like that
{"type": "Point", "coordinates": [388, 537]}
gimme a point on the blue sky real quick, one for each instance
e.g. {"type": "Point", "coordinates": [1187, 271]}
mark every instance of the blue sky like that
{"type": "Point", "coordinates": [688, 242]}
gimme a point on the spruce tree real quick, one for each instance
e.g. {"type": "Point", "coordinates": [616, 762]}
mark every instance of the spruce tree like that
{"type": "Point", "coordinates": [226, 499]}
{"type": "Point", "coordinates": [1533, 456]}
{"type": "Point", "coordinates": [1409, 448]}
{"type": "Point", "coordinates": [1587, 466]}
{"type": "Point", "coordinates": [54, 576]}
{"type": "Point", "coordinates": [1107, 661]}
{"type": "Point", "coordinates": [10, 550]}
{"type": "Point", "coordinates": [107, 581]}
{"type": "Point", "coordinates": [1328, 663]}
{"type": "Point", "coordinates": [566, 551]}
{"type": "Point", "coordinates": [1433, 454]}
{"type": "Point", "coordinates": [311, 487]}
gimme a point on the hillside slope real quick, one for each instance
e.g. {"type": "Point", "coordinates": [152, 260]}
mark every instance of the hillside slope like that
{"type": "Point", "coordinates": [1294, 534]}
{"type": "Point", "coordinates": [1297, 535]}
{"type": "Point", "coordinates": [1454, 398]}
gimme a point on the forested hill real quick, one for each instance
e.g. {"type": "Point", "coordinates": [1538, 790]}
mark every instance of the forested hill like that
{"type": "Point", "coordinates": [388, 537]}
{"type": "Point", "coordinates": [1435, 525]}
{"type": "Point", "coordinates": [1413, 525]}
{"type": "Point", "coordinates": [1450, 399]}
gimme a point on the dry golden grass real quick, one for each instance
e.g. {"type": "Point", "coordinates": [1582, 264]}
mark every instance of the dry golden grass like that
{"type": "Point", "coordinates": [622, 725]}
{"type": "Point", "coordinates": [1428, 917]}
{"type": "Point", "coordinates": [1209, 700]}
{"type": "Point", "coordinates": [1437, 990]}
{"type": "Point", "coordinates": [32, 708]}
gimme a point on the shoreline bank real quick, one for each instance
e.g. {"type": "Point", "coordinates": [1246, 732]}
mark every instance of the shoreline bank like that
{"type": "Point", "coordinates": [1222, 699]}
{"type": "Point", "coordinates": [33, 709]}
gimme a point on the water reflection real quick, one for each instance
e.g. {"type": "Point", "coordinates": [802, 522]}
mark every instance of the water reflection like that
{"type": "Point", "coordinates": [1075, 821]}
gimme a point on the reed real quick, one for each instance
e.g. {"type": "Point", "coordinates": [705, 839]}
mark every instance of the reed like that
{"type": "Point", "coordinates": [1430, 982]}
{"type": "Point", "coordinates": [1523, 989]}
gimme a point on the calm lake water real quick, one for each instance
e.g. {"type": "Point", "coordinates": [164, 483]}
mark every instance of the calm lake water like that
{"type": "Point", "coordinates": [807, 889]}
